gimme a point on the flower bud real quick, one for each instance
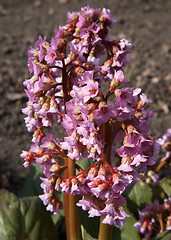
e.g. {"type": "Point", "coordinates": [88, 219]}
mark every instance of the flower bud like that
{"type": "Point", "coordinates": [103, 171]}
{"type": "Point", "coordinates": [116, 92]}
{"type": "Point", "coordinates": [55, 167]}
{"type": "Point", "coordinates": [138, 115]}
{"type": "Point", "coordinates": [51, 146]}
{"type": "Point", "coordinates": [103, 186]}
{"type": "Point", "coordinates": [46, 106]}
{"type": "Point", "coordinates": [114, 84]}
{"type": "Point", "coordinates": [102, 103]}
{"type": "Point", "coordinates": [93, 171]}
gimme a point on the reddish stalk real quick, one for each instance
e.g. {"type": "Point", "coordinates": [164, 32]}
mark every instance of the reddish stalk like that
{"type": "Point", "coordinates": [162, 164]}
{"type": "Point", "coordinates": [73, 213]}
{"type": "Point", "coordinates": [161, 223]}
{"type": "Point", "coordinates": [66, 196]}
{"type": "Point", "coordinates": [105, 230]}
{"type": "Point", "coordinates": [66, 205]}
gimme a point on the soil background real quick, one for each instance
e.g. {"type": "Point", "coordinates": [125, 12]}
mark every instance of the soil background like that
{"type": "Point", "coordinates": [145, 23]}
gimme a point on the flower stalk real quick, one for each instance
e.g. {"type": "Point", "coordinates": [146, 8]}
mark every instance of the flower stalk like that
{"type": "Point", "coordinates": [73, 212]}
{"type": "Point", "coordinates": [105, 230]}
{"type": "Point", "coordinates": [67, 87]}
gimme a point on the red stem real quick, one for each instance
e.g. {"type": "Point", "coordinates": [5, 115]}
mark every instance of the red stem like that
{"type": "Point", "coordinates": [105, 230]}
{"type": "Point", "coordinates": [66, 205]}
{"type": "Point", "coordinates": [73, 213]}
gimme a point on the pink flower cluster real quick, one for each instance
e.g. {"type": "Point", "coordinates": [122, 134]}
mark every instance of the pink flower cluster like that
{"type": "Point", "coordinates": [154, 219]}
{"type": "Point", "coordinates": [67, 87]}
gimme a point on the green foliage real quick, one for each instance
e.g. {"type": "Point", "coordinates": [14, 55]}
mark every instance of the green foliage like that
{"type": "Point", "coordinates": [165, 185]}
{"type": "Point", "coordinates": [128, 231]}
{"type": "Point", "coordinates": [166, 235]}
{"type": "Point", "coordinates": [24, 218]}
{"type": "Point", "coordinates": [89, 226]}
{"type": "Point", "coordinates": [85, 235]}
{"type": "Point", "coordinates": [141, 194]}
{"type": "Point", "coordinates": [31, 186]}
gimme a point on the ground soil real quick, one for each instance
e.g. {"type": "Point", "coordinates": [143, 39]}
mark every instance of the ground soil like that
{"type": "Point", "coordinates": [145, 23]}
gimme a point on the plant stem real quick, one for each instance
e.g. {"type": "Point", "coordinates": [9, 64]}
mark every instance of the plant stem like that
{"type": "Point", "coordinates": [105, 230]}
{"type": "Point", "coordinates": [66, 210]}
{"type": "Point", "coordinates": [162, 164]}
{"type": "Point", "coordinates": [66, 205]}
{"type": "Point", "coordinates": [161, 223]}
{"type": "Point", "coordinates": [66, 172]}
{"type": "Point", "coordinates": [73, 213]}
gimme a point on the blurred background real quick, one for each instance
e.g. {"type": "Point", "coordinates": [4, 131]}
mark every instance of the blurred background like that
{"type": "Point", "coordinates": [145, 23]}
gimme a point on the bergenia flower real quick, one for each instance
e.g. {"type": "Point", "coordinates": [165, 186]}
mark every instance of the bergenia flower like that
{"type": "Point", "coordinates": [99, 123]}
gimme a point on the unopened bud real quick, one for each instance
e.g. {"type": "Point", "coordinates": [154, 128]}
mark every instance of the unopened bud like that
{"type": "Point", "coordinates": [51, 146]}
{"type": "Point", "coordinates": [41, 100]}
{"type": "Point", "coordinates": [46, 106]}
{"type": "Point", "coordinates": [166, 206]}
{"type": "Point", "coordinates": [130, 128]}
{"type": "Point", "coordinates": [93, 171]}
{"type": "Point", "coordinates": [55, 167]}
{"type": "Point", "coordinates": [46, 157]}
{"type": "Point", "coordinates": [115, 177]}
{"type": "Point", "coordinates": [53, 103]}
{"type": "Point", "coordinates": [138, 115]}
{"type": "Point", "coordinates": [91, 107]}
{"type": "Point", "coordinates": [79, 71]}
{"type": "Point", "coordinates": [103, 186]}
{"type": "Point", "coordinates": [114, 84]}
{"type": "Point", "coordinates": [36, 116]}
{"type": "Point", "coordinates": [74, 181]}
{"type": "Point", "coordinates": [116, 92]}
{"type": "Point", "coordinates": [102, 171]}
{"type": "Point", "coordinates": [102, 103]}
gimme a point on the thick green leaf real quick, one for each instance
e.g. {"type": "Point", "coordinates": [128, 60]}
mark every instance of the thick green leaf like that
{"type": "Point", "coordinates": [165, 184]}
{"type": "Point", "coordinates": [84, 163]}
{"type": "Point", "coordinates": [128, 231]}
{"type": "Point", "coordinates": [167, 236]}
{"type": "Point", "coordinates": [139, 195]}
{"type": "Point", "coordinates": [11, 219]}
{"type": "Point", "coordinates": [31, 186]}
{"type": "Point", "coordinates": [86, 235]}
{"type": "Point", "coordinates": [116, 233]}
{"type": "Point", "coordinates": [90, 225]}
{"type": "Point", "coordinates": [163, 236]}
{"type": "Point", "coordinates": [24, 218]}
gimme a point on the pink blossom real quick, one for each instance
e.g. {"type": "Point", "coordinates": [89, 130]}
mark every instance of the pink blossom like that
{"type": "Point", "coordinates": [104, 113]}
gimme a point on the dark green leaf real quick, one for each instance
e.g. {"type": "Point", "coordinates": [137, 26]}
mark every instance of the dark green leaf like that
{"type": "Point", "coordinates": [140, 194]}
{"type": "Point", "coordinates": [86, 235]}
{"type": "Point", "coordinates": [166, 235]}
{"type": "Point", "coordinates": [11, 224]}
{"type": "Point", "coordinates": [128, 231]}
{"type": "Point", "coordinates": [165, 184]}
{"type": "Point", "coordinates": [90, 225]}
{"type": "Point", "coordinates": [24, 218]}
{"type": "Point", "coordinates": [85, 163]}
{"type": "Point", "coordinates": [31, 186]}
